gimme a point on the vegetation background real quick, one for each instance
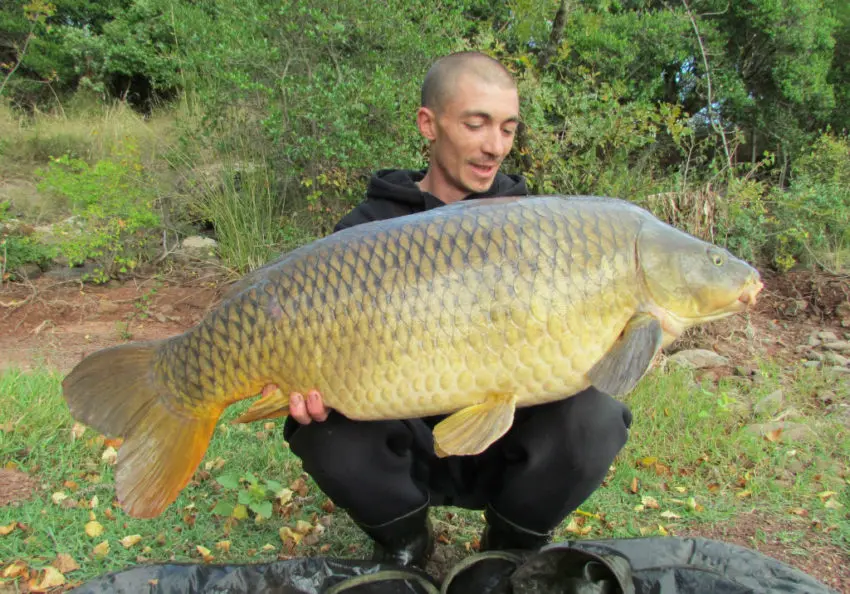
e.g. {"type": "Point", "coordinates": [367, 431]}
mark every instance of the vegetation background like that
{"type": "Point", "coordinates": [259, 124]}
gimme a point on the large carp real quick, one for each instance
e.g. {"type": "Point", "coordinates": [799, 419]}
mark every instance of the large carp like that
{"type": "Point", "coordinates": [475, 308]}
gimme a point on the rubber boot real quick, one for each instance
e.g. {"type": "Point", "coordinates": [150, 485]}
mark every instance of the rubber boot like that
{"type": "Point", "coordinates": [406, 541]}
{"type": "Point", "coordinates": [501, 535]}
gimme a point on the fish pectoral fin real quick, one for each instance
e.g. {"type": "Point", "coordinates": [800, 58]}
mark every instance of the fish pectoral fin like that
{"type": "Point", "coordinates": [628, 360]}
{"type": "Point", "coordinates": [271, 406]}
{"type": "Point", "coordinates": [473, 429]}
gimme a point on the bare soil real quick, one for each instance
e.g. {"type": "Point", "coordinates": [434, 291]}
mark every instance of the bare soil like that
{"type": "Point", "coordinates": [56, 324]}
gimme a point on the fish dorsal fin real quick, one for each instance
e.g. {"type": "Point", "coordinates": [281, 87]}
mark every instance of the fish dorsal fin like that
{"type": "Point", "coordinates": [628, 360]}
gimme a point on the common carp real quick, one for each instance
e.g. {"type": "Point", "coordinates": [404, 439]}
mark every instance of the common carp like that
{"type": "Point", "coordinates": [470, 310]}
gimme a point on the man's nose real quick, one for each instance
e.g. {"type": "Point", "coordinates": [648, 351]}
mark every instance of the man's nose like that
{"type": "Point", "coordinates": [495, 143]}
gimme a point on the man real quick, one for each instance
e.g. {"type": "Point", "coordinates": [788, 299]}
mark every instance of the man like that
{"type": "Point", "coordinates": [385, 473]}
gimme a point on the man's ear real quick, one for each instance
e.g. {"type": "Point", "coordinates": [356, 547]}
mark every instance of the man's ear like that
{"type": "Point", "coordinates": [426, 120]}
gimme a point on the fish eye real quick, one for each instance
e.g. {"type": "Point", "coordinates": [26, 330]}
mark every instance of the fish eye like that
{"type": "Point", "coordinates": [717, 258]}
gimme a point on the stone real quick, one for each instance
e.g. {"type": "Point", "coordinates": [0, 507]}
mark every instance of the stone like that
{"type": "Point", "coordinates": [107, 306]}
{"type": "Point", "coordinates": [827, 336]}
{"type": "Point", "coordinates": [196, 246]}
{"type": "Point", "coordinates": [770, 404]}
{"type": "Point", "coordinates": [814, 356]}
{"type": "Point", "coordinates": [813, 341]}
{"type": "Point", "coordinates": [835, 359]}
{"type": "Point", "coordinates": [698, 359]}
{"type": "Point", "coordinates": [814, 364]}
{"type": "Point", "coordinates": [790, 431]}
{"type": "Point", "coordinates": [842, 346]}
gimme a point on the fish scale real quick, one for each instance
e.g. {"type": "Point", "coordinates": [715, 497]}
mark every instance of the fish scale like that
{"type": "Point", "coordinates": [469, 310]}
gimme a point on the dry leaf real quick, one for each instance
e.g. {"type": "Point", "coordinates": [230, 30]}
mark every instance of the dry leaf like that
{"type": "Point", "coordinates": [299, 486]}
{"type": "Point", "coordinates": [101, 550]}
{"type": "Point", "coordinates": [65, 563]}
{"type": "Point", "coordinates": [110, 455]}
{"type": "Point", "coordinates": [51, 578]}
{"type": "Point", "coordinates": [72, 485]}
{"type": "Point", "coordinates": [826, 495]}
{"type": "Point", "coordinates": [93, 503]}
{"type": "Point", "coordinates": [16, 569]}
{"type": "Point", "coordinates": [58, 497]}
{"type": "Point", "coordinates": [113, 442]}
{"type": "Point", "coordinates": [286, 533]}
{"type": "Point", "coordinates": [773, 435]}
{"type": "Point", "coordinates": [588, 514]}
{"type": "Point", "coordinates": [284, 496]}
{"type": "Point", "coordinates": [129, 541]}
{"type": "Point", "coordinates": [223, 546]}
{"type": "Point", "coordinates": [634, 486]}
{"type": "Point", "coordinates": [668, 515]}
{"type": "Point", "coordinates": [94, 529]}
{"type": "Point", "coordinates": [214, 464]}
{"type": "Point", "coordinates": [77, 431]}
{"type": "Point", "coordinates": [743, 494]}
{"type": "Point", "coordinates": [4, 530]}
{"type": "Point", "coordinates": [326, 547]}
{"type": "Point", "coordinates": [302, 527]}
{"type": "Point", "coordinates": [328, 506]}
{"type": "Point", "coordinates": [649, 502]}
{"type": "Point", "coordinates": [648, 461]}
{"type": "Point", "coordinates": [269, 547]}
{"type": "Point", "coordinates": [205, 553]}
{"type": "Point", "coordinates": [662, 530]}
{"type": "Point", "coordinates": [833, 504]}
{"type": "Point", "coordinates": [799, 511]}
{"type": "Point", "coordinates": [574, 528]}
{"type": "Point", "coordinates": [268, 426]}
{"type": "Point", "coordinates": [681, 489]}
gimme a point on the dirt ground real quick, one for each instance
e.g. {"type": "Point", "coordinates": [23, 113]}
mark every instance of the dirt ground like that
{"type": "Point", "coordinates": [57, 323]}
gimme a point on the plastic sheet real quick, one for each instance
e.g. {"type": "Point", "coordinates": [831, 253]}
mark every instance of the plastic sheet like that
{"type": "Point", "coordinates": [654, 565]}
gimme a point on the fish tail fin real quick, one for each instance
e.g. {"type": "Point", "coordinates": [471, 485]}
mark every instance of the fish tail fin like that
{"type": "Point", "coordinates": [117, 392]}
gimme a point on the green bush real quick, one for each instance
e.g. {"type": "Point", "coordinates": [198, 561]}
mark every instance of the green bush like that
{"type": "Point", "coordinates": [113, 203]}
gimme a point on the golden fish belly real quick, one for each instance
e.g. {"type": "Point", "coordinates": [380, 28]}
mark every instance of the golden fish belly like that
{"type": "Point", "coordinates": [427, 317]}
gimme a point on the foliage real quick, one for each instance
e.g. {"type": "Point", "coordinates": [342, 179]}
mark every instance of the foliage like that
{"type": "Point", "coordinates": [113, 211]}
{"type": "Point", "coordinates": [18, 249]}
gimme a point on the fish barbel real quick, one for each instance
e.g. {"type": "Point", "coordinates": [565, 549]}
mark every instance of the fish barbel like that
{"type": "Point", "coordinates": [471, 310]}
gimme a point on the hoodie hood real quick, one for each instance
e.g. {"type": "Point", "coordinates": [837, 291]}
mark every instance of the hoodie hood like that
{"type": "Point", "coordinates": [399, 185]}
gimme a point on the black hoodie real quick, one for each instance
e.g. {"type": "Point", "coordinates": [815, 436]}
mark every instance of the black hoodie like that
{"type": "Point", "coordinates": [393, 193]}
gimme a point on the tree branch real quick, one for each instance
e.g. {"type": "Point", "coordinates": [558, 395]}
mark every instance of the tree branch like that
{"type": "Point", "coordinates": [20, 59]}
{"type": "Point", "coordinates": [714, 125]}
{"type": "Point", "coordinates": [555, 36]}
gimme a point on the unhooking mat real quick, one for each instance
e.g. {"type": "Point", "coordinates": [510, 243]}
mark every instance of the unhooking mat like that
{"type": "Point", "coordinates": [651, 565]}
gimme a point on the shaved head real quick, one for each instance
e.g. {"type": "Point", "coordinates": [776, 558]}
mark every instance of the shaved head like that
{"type": "Point", "coordinates": [441, 79]}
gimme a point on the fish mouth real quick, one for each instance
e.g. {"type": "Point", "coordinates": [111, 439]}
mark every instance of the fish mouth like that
{"type": "Point", "coordinates": [746, 300]}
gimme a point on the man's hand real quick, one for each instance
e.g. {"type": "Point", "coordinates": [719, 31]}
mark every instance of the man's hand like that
{"type": "Point", "coordinates": [304, 410]}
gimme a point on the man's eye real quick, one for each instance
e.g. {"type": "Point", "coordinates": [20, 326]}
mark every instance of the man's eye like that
{"type": "Point", "coordinates": [509, 131]}
{"type": "Point", "coordinates": [473, 125]}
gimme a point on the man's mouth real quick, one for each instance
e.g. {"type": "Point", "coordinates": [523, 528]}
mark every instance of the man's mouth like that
{"type": "Point", "coordinates": [483, 170]}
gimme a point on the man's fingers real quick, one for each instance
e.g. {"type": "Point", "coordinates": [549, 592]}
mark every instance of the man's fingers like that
{"type": "Point", "coordinates": [297, 409]}
{"type": "Point", "coordinates": [315, 406]}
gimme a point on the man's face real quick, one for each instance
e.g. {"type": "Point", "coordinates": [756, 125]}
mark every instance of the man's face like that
{"type": "Point", "coordinates": [471, 135]}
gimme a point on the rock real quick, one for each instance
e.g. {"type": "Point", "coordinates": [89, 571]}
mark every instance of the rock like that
{"type": "Point", "coordinates": [790, 431]}
{"type": "Point", "coordinates": [842, 346]}
{"type": "Point", "coordinates": [813, 341]}
{"type": "Point", "coordinates": [770, 404]}
{"type": "Point", "coordinates": [698, 359]}
{"type": "Point", "coordinates": [196, 246]}
{"type": "Point", "coordinates": [107, 306]}
{"type": "Point", "coordinates": [814, 356]}
{"type": "Point", "coordinates": [839, 370]}
{"type": "Point", "coordinates": [814, 364]}
{"type": "Point", "coordinates": [30, 271]}
{"type": "Point", "coordinates": [827, 336]}
{"type": "Point", "coordinates": [835, 359]}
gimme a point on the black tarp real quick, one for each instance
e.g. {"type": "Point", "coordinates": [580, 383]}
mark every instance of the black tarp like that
{"type": "Point", "coordinates": [652, 565]}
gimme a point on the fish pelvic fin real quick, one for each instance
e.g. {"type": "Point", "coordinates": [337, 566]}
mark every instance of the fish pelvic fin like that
{"type": "Point", "coordinates": [270, 406]}
{"type": "Point", "coordinates": [473, 429]}
{"type": "Point", "coordinates": [622, 367]}
{"type": "Point", "coordinates": [116, 392]}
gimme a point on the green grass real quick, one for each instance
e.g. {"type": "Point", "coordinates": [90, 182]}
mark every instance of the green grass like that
{"type": "Point", "coordinates": [689, 450]}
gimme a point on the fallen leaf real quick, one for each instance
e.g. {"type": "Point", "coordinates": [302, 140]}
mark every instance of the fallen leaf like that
{"type": "Point", "coordinates": [7, 529]}
{"type": "Point", "coordinates": [328, 506]}
{"type": "Point", "coordinates": [110, 455]}
{"type": "Point", "coordinates": [649, 502]}
{"type": "Point", "coordinates": [102, 549]}
{"type": "Point", "coordinates": [833, 504]}
{"type": "Point", "coordinates": [77, 431]}
{"type": "Point", "coordinates": [299, 486]}
{"type": "Point", "coordinates": [16, 569]}
{"type": "Point", "coordinates": [58, 497]}
{"type": "Point", "coordinates": [94, 529]}
{"type": "Point", "coordinates": [205, 553]}
{"type": "Point", "coordinates": [214, 464]}
{"type": "Point", "coordinates": [223, 546]}
{"type": "Point", "coordinates": [284, 496]}
{"type": "Point", "coordinates": [326, 547]}
{"type": "Point", "coordinates": [268, 426]}
{"type": "Point", "coordinates": [694, 506]}
{"type": "Point", "coordinates": [269, 547]}
{"type": "Point", "coordinates": [574, 528]}
{"type": "Point", "coordinates": [634, 486]}
{"type": "Point", "coordinates": [286, 534]}
{"type": "Point", "coordinates": [302, 527]}
{"type": "Point", "coordinates": [662, 530]}
{"type": "Point", "coordinates": [668, 515]}
{"type": "Point", "coordinates": [826, 495]}
{"type": "Point", "coordinates": [712, 487]}
{"type": "Point", "coordinates": [93, 502]}
{"type": "Point", "coordinates": [799, 511]}
{"type": "Point", "coordinates": [681, 489]}
{"type": "Point", "coordinates": [648, 461]}
{"type": "Point", "coordinates": [743, 494]}
{"type": "Point", "coordinates": [72, 485]}
{"type": "Point", "coordinates": [129, 541]}
{"type": "Point", "coordinates": [588, 514]}
{"type": "Point", "coordinates": [65, 563]}
{"type": "Point", "coordinates": [51, 578]}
